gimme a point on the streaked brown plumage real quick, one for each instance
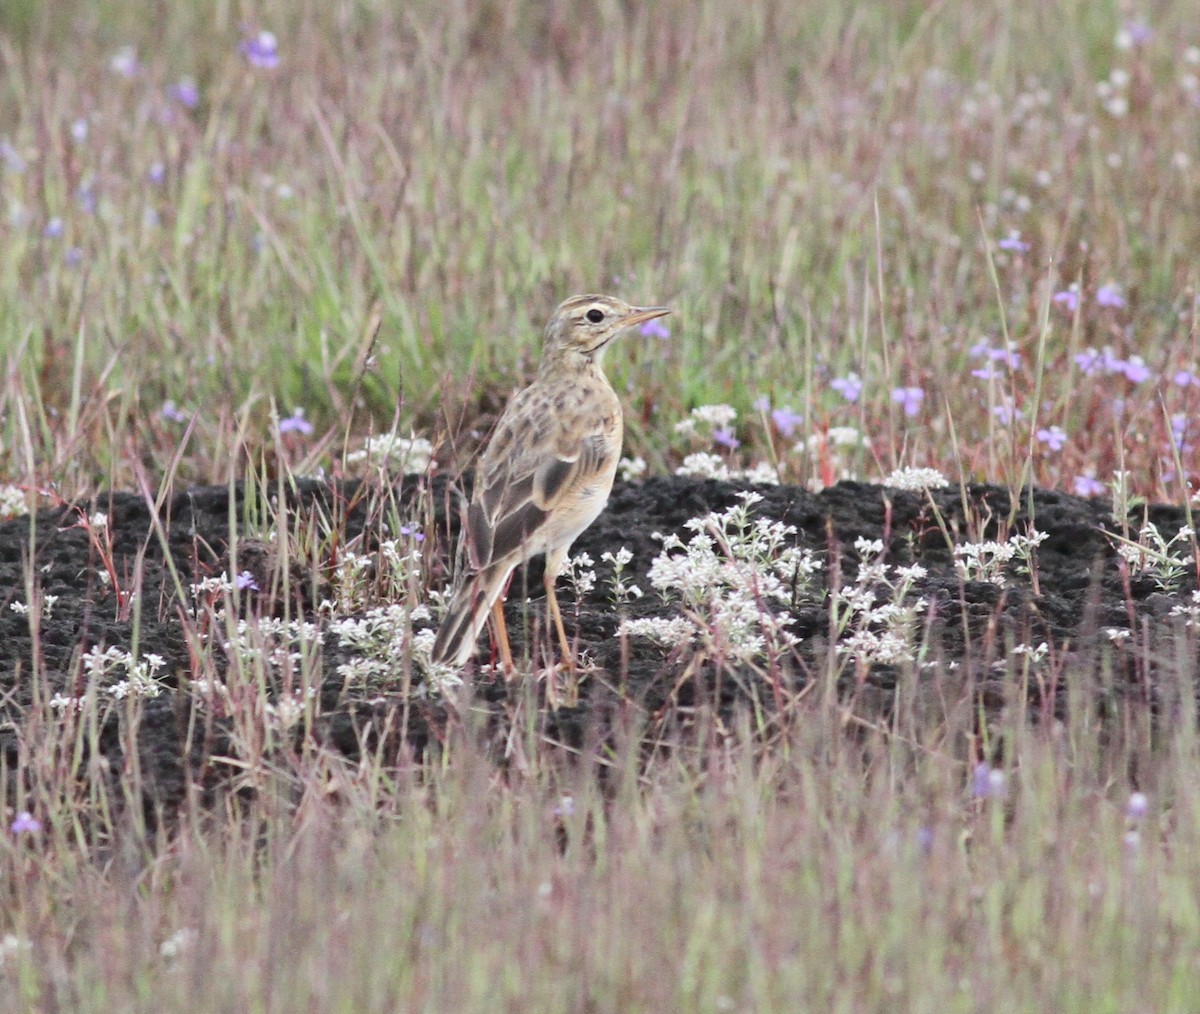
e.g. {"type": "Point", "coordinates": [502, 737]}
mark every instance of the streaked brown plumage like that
{"type": "Point", "coordinates": [546, 474]}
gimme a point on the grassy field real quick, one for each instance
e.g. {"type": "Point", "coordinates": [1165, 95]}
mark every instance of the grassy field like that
{"type": "Point", "coordinates": [952, 235]}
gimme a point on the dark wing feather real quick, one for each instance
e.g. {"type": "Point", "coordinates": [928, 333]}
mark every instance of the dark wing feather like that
{"type": "Point", "coordinates": [535, 459]}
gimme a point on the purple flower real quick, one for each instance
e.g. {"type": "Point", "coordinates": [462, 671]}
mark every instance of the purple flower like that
{"type": "Point", "coordinates": [724, 436]}
{"type": "Point", "coordinates": [762, 403]}
{"type": "Point", "coordinates": [1087, 485]}
{"type": "Point", "coordinates": [925, 839]}
{"type": "Point", "coordinates": [12, 158]}
{"type": "Point", "coordinates": [261, 50]}
{"type": "Point", "coordinates": [296, 423]}
{"type": "Point", "coordinates": [79, 130]}
{"type": "Point", "coordinates": [245, 580]}
{"type": "Point", "coordinates": [1013, 242]}
{"type": "Point", "coordinates": [185, 92]}
{"type": "Point", "coordinates": [1006, 413]}
{"type": "Point", "coordinates": [1053, 437]}
{"type": "Point", "coordinates": [786, 420]}
{"type": "Point", "coordinates": [85, 197]}
{"type": "Point", "coordinates": [987, 782]}
{"type": "Point", "coordinates": [73, 257]}
{"type": "Point", "coordinates": [156, 173]}
{"type": "Point", "coordinates": [170, 411]}
{"type": "Point", "coordinates": [910, 398]}
{"type": "Point", "coordinates": [1179, 432]}
{"type": "Point", "coordinates": [987, 372]}
{"type": "Point", "coordinates": [1137, 32]}
{"type": "Point", "coordinates": [1089, 361]}
{"type": "Point", "coordinates": [409, 532]}
{"type": "Point", "coordinates": [849, 386]}
{"type": "Point", "coordinates": [1009, 357]}
{"type": "Point", "coordinates": [54, 228]}
{"type": "Point", "coordinates": [1110, 295]}
{"type": "Point", "coordinates": [1138, 806]}
{"type": "Point", "coordinates": [655, 329]}
{"type": "Point", "coordinates": [125, 62]}
{"type": "Point", "coordinates": [25, 823]}
{"type": "Point", "coordinates": [1186, 378]}
{"type": "Point", "coordinates": [1068, 299]}
{"type": "Point", "coordinates": [1135, 369]}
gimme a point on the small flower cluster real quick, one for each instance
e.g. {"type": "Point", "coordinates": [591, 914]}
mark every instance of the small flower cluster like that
{"type": "Point", "coordinates": [1189, 611]}
{"type": "Point", "coordinates": [1155, 556]}
{"type": "Point", "coordinates": [727, 574]}
{"type": "Point", "coordinates": [48, 603]}
{"type": "Point", "coordinates": [380, 639]}
{"type": "Point", "coordinates": [284, 713]}
{"type": "Point", "coordinates": [871, 632]}
{"type": "Point", "coordinates": [409, 454]}
{"type": "Point", "coordinates": [1037, 655]}
{"type": "Point", "coordinates": [988, 782]}
{"type": "Point", "coordinates": [986, 561]}
{"type": "Point", "coordinates": [621, 589]}
{"type": "Point", "coordinates": [1137, 809]}
{"type": "Point", "coordinates": [916, 479]}
{"type": "Point", "coordinates": [712, 419]}
{"type": "Point", "coordinates": [12, 946]}
{"type": "Point", "coordinates": [141, 677]}
{"type": "Point", "coordinates": [279, 644]}
{"type": "Point", "coordinates": [631, 468]}
{"type": "Point", "coordinates": [1133, 369]}
{"type": "Point", "coordinates": [998, 359]}
{"type": "Point", "coordinates": [1113, 93]}
{"type": "Point", "coordinates": [13, 501]}
{"type": "Point", "coordinates": [578, 570]}
{"type": "Point", "coordinates": [715, 423]}
{"type": "Point", "coordinates": [385, 575]}
{"type": "Point", "coordinates": [1108, 297]}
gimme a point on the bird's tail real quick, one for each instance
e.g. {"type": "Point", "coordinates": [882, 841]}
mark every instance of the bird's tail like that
{"type": "Point", "coordinates": [468, 612]}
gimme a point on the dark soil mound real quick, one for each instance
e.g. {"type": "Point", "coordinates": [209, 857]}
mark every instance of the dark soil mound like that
{"type": "Point", "coordinates": [1078, 589]}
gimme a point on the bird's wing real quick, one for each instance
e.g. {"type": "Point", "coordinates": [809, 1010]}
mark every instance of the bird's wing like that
{"type": "Point", "coordinates": [537, 459]}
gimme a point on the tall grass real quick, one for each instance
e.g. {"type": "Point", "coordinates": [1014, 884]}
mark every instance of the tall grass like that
{"type": "Point", "coordinates": [834, 871]}
{"type": "Point", "coordinates": [815, 189]}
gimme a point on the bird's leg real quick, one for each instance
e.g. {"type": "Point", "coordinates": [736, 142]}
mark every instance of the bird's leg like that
{"type": "Point", "coordinates": [564, 644]}
{"type": "Point", "coordinates": [506, 658]}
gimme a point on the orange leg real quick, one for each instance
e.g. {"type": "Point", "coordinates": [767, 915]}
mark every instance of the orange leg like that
{"type": "Point", "coordinates": [567, 654]}
{"type": "Point", "coordinates": [552, 605]}
{"type": "Point", "coordinates": [506, 658]}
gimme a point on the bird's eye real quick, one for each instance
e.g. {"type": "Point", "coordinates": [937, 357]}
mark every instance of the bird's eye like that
{"type": "Point", "coordinates": [595, 316]}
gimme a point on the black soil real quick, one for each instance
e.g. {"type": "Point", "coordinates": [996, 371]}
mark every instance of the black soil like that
{"type": "Point", "coordinates": [1079, 590]}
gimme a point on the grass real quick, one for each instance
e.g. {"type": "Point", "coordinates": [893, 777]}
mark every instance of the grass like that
{"type": "Point", "coordinates": [374, 231]}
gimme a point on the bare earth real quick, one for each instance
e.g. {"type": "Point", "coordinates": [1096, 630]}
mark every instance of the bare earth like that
{"type": "Point", "coordinates": [1081, 589]}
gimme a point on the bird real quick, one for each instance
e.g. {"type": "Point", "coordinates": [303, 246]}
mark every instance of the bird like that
{"type": "Point", "coordinates": [544, 476]}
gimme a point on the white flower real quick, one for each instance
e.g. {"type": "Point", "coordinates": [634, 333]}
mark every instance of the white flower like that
{"type": "Point", "coordinates": [761, 474]}
{"type": "Point", "coordinates": [669, 632]}
{"type": "Point", "coordinates": [703, 465]}
{"type": "Point", "coordinates": [916, 479]}
{"type": "Point", "coordinates": [631, 468]}
{"type": "Point", "coordinates": [13, 501]}
{"type": "Point", "coordinates": [411, 453]}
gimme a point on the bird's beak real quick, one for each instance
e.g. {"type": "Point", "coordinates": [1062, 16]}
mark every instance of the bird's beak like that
{"type": "Point", "coordinates": [641, 314]}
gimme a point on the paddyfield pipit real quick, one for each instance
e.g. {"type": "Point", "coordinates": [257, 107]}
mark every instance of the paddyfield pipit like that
{"type": "Point", "coordinates": [545, 475]}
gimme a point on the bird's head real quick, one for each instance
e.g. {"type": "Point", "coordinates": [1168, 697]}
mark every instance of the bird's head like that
{"type": "Point", "coordinates": [582, 326]}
